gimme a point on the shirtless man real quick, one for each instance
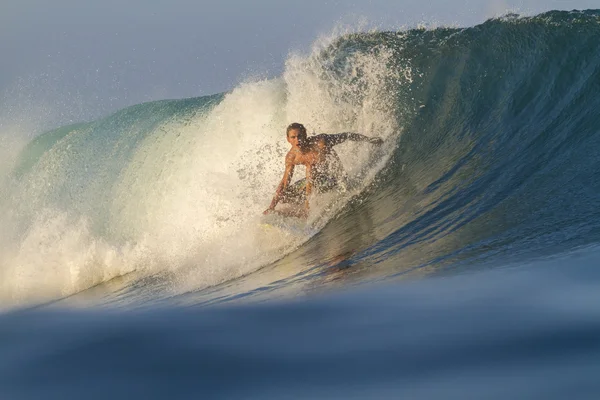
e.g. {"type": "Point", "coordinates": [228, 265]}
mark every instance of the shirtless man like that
{"type": "Point", "coordinates": [322, 163]}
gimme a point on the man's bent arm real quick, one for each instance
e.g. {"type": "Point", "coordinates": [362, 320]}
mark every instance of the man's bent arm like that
{"type": "Point", "coordinates": [309, 185]}
{"type": "Point", "coordinates": [285, 181]}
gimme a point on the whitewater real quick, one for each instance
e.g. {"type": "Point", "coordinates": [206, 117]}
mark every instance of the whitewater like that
{"type": "Point", "coordinates": [460, 261]}
{"type": "Point", "coordinates": [179, 185]}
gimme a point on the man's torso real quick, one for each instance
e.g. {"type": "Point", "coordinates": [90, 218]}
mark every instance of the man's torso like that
{"type": "Point", "coordinates": [322, 158]}
{"type": "Point", "coordinates": [315, 154]}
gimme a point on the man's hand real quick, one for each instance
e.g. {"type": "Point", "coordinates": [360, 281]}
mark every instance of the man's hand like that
{"type": "Point", "coordinates": [268, 211]}
{"type": "Point", "coordinates": [376, 140]}
{"type": "Point", "coordinates": [303, 213]}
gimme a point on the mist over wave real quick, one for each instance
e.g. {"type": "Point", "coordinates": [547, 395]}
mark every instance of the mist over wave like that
{"type": "Point", "coordinates": [488, 159]}
{"type": "Point", "coordinates": [178, 186]}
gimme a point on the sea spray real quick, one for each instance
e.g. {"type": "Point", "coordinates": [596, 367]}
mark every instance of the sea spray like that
{"type": "Point", "coordinates": [179, 186]}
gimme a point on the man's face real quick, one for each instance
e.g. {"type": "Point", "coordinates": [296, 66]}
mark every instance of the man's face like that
{"type": "Point", "coordinates": [296, 137]}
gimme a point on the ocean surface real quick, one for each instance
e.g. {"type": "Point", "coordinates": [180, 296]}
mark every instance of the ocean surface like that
{"type": "Point", "coordinates": [461, 260]}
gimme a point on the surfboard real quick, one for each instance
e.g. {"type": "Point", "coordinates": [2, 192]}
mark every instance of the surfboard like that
{"type": "Point", "coordinates": [286, 224]}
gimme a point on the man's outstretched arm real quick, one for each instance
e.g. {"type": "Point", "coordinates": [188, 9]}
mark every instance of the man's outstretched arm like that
{"type": "Point", "coordinates": [285, 181]}
{"type": "Point", "coordinates": [338, 138]}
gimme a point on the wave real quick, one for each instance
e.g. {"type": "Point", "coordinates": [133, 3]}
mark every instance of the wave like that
{"type": "Point", "coordinates": [496, 160]}
{"type": "Point", "coordinates": [489, 158]}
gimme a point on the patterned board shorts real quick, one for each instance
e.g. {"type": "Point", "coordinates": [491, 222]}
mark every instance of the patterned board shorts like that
{"type": "Point", "coordinates": [296, 192]}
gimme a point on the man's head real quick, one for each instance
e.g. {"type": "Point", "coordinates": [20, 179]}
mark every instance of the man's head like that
{"type": "Point", "coordinates": [296, 134]}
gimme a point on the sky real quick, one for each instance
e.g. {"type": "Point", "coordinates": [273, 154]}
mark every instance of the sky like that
{"type": "Point", "coordinates": [82, 59]}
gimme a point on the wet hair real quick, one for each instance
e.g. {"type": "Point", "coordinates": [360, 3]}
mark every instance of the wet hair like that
{"type": "Point", "coordinates": [295, 125]}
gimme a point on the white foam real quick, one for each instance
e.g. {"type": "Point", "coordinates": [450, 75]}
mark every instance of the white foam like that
{"type": "Point", "coordinates": [190, 198]}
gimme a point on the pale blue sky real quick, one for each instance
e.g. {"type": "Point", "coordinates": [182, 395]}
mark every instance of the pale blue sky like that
{"type": "Point", "coordinates": [92, 57]}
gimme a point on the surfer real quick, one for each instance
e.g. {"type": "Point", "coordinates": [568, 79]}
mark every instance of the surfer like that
{"type": "Point", "coordinates": [324, 169]}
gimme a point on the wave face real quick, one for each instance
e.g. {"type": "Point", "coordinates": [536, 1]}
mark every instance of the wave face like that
{"type": "Point", "coordinates": [496, 161]}
{"type": "Point", "coordinates": [489, 159]}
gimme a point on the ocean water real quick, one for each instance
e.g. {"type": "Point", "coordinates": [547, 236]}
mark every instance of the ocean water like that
{"type": "Point", "coordinates": [460, 262]}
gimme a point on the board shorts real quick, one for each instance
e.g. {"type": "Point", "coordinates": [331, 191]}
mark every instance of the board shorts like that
{"type": "Point", "coordinates": [296, 192]}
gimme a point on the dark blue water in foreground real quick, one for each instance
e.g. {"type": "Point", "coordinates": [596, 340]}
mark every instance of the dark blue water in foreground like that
{"type": "Point", "coordinates": [468, 268]}
{"type": "Point", "coordinates": [532, 331]}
